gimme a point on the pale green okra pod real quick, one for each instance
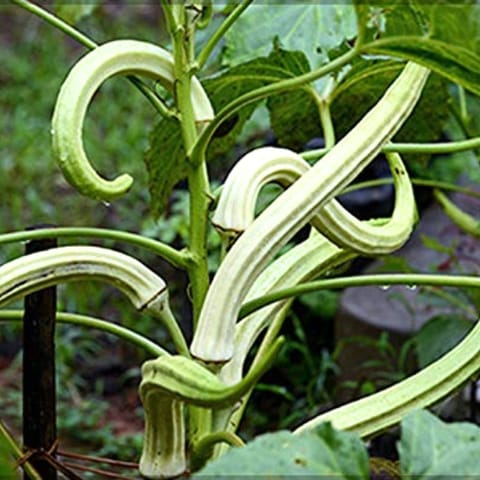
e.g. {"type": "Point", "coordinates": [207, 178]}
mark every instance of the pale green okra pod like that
{"type": "Point", "coordinates": [213, 339]}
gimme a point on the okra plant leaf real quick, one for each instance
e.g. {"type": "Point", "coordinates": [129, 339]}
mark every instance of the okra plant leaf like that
{"type": "Point", "coordinates": [325, 452]}
{"type": "Point", "coordinates": [439, 335]}
{"type": "Point", "coordinates": [297, 107]}
{"type": "Point", "coordinates": [165, 158]}
{"type": "Point", "coordinates": [310, 27]}
{"type": "Point", "coordinates": [223, 89]}
{"type": "Point", "coordinates": [430, 448]}
{"type": "Point", "coordinates": [165, 161]}
{"type": "Point", "coordinates": [441, 36]}
{"type": "Point", "coordinates": [364, 84]}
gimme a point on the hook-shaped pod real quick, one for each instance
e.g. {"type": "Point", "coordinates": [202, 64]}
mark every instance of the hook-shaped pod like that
{"type": "Point", "coordinates": [189, 381]}
{"type": "Point", "coordinates": [163, 454]}
{"type": "Point", "coordinates": [123, 57]}
{"type": "Point", "coordinates": [236, 207]}
{"type": "Point", "coordinates": [213, 340]}
{"type": "Point", "coordinates": [27, 274]}
{"type": "Point", "coordinates": [383, 409]}
{"type": "Point", "coordinates": [167, 383]}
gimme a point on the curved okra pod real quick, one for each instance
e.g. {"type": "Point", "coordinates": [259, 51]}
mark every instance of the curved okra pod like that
{"type": "Point", "coordinates": [189, 381]}
{"type": "Point", "coordinates": [32, 272]}
{"type": "Point", "coordinates": [306, 261]}
{"type": "Point", "coordinates": [236, 207]}
{"type": "Point", "coordinates": [381, 410]}
{"type": "Point", "coordinates": [144, 288]}
{"type": "Point", "coordinates": [116, 57]}
{"type": "Point", "coordinates": [167, 383]}
{"type": "Point", "coordinates": [163, 454]}
{"type": "Point", "coordinates": [214, 337]}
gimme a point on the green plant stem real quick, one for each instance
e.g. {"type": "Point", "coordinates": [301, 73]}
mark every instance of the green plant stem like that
{"type": "Point", "coordinates": [409, 279]}
{"type": "Point", "coordinates": [175, 332]}
{"type": "Point", "coordinates": [462, 97]}
{"type": "Point", "coordinates": [17, 453]}
{"type": "Point", "coordinates": [182, 37]}
{"type": "Point", "coordinates": [361, 23]}
{"type": "Point", "coordinates": [177, 258]}
{"type": "Point", "coordinates": [90, 322]}
{"type": "Point", "coordinates": [466, 222]}
{"type": "Point", "coordinates": [169, 17]}
{"type": "Point", "coordinates": [198, 150]}
{"type": "Point", "coordinates": [83, 39]}
{"type": "Point", "coordinates": [56, 22]}
{"type": "Point", "coordinates": [198, 267]}
{"type": "Point", "coordinates": [434, 148]}
{"type": "Point", "coordinates": [326, 120]}
{"type": "Point", "coordinates": [424, 148]}
{"type": "Point", "coordinates": [453, 300]}
{"type": "Point", "coordinates": [220, 32]}
{"type": "Point", "coordinates": [204, 447]}
{"type": "Point", "coordinates": [421, 182]}
{"type": "Point", "coordinates": [268, 339]}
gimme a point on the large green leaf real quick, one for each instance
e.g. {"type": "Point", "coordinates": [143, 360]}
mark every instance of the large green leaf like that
{"type": "Point", "coordinates": [286, 110]}
{"type": "Point", "coordinates": [294, 115]}
{"type": "Point", "coordinates": [438, 336]}
{"type": "Point", "coordinates": [165, 158]}
{"type": "Point", "coordinates": [310, 27]}
{"type": "Point", "coordinates": [430, 448]}
{"type": "Point", "coordinates": [225, 88]}
{"type": "Point", "coordinates": [166, 162]}
{"type": "Point", "coordinates": [441, 36]}
{"type": "Point", "coordinates": [364, 85]}
{"type": "Point", "coordinates": [325, 452]}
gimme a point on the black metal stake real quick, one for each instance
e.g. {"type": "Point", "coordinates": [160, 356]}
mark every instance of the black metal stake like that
{"type": "Point", "coordinates": [39, 406]}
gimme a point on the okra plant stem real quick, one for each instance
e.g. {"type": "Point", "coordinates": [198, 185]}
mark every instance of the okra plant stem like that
{"type": "Point", "coordinates": [198, 182]}
{"type": "Point", "coordinates": [325, 119]}
{"type": "Point", "coordinates": [415, 279]}
{"type": "Point", "coordinates": [220, 33]}
{"type": "Point", "coordinates": [404, 148]}
{"type": "Point", "coordinates": [176, 258]}
{"type": "Point", "coordinates": [182, 35]}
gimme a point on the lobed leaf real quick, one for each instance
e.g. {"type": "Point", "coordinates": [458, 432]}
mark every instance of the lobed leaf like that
{"type": "Point", "coordinates": [294, 115]}
{"type": "Point", "coordinates": [312, 28]}
{"type": "Point", "coordinates": [363, 85]}
{"type": "Point", "coordinates": [282, 454]}
{"type": "Point", "coordinates": [430, 447]}
{"type": "Point", "coordinates": [165, 161]}
{"type": "Point", "coordinates": [442, 36]}
{"type": "Point", "coordinates": [291, 107]}
{"type": "Point", "coordinates": [439, 335]}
